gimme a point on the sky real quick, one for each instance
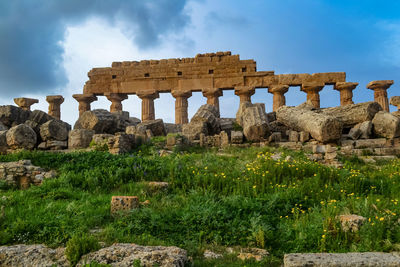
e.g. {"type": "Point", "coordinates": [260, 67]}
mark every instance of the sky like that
{"type": "Point", "coordinates": [47, 47]}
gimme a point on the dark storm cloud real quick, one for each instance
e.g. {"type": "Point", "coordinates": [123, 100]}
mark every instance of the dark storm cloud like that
{"type": "Point", "coordinates": [31, 31]}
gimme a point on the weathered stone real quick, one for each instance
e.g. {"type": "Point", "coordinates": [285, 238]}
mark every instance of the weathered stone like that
{"type": "Point", "coordinates": [193, 130]}
{"type": "Point", "coordinates": [11, 115]}
{"type": "Point", "coordinates": [354, 133]}
{"type": "Point", "coordinates": [124, 203]}
{"type": "Point", "coordinates": [3, 142]}
{"type": "Point", "coordinates": [158, 186]}
{"type": "Point", "coordinates": [304, 136]}
{"type": "Point", "coordinates": [3, 127]}
{"type": "Point", "coordinates": [351, 115]}
{"type": "Point", "coordinates": [21, 136]}
{"type": "Point", "coordinates": [54, 130]}
{"type": "Point", "coordinates": [370, 143]}
{"type": "Point", "coordinates": [25, 103]}
{"type": "Point", "coordinates": [236, 137]}
{"type": "Point", "coordinates": [22, 174]}
{"type": "Point", "coordinates": [208, 254]}
{"type": "Point", "coordinates": [330, 156]}
{"type": "Point", "coordinates": [319, 149]}
{"type": "Point", "coordinates": [277, 126]}
{"type": "Point", "coordinates": [98, 120]}
{"type": "Point", "coordinates": [55, 102]}
{"type": "Point", "coordinates": [126, 255]}
{"type": "Point", "coordinates": [134, 121]}
{"type": "Point", "coordinates": [356, 259]}
{"type": "Point", "coordinates": [395, 101]}
{"type": "Point", "coordinates": [224, 139]}
{"type": "Point", "coordinates": [156, 127]}
{"type": "Point", "coordinates": [380, 92]}
{"type": "Point", "coordinates": [386, 125]}
{"type": "Point", "coordinates": [293, 136]}
{"type": "Point", "coordinates": [32, 255]}
{"type": "Point", "coordinates": [255, 123]}
{"type": "Point", "coordinates": [290, 145]}
{"type": "Point", "coordinates": [365, 129]}
{"type": "Point", "coordinates": [257, 254]}
{"type": "Point", "coordinates": [208, 114]}
{"type": "Point", "coordinates": [56, 144]}
{"type": "Point", "coordinates": [321, 127]}
{"type": "Point", "coordinates": [80, 138]}
{"type": "Point", "coordinates": [40, 117]}
{"type": "Point", "coordinates": [275, 137]}
{"type": "Point", "coordinates": [226, 124]}
{"type": "Point", "coordinates": [121, 143]}
{"type": "Point", "coordinates": [149, 134]}
{"type": "Point", "coordinates": [101, 139]}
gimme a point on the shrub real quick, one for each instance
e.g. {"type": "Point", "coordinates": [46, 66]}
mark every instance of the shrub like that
{"type": "Point", "coordinates": [79, 245]}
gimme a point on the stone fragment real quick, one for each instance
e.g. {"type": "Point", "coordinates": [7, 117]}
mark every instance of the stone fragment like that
{"type": "Point", "coordinates": [395, 101]}
{"type": "Point", "coordinates": [40, 117]}
{"type": "Point", "coordinates": [80, 138]}
{"type": "Point", "coordinates": [275, 137]}
{"type": "Point", "coordinates": [255, 123]}
{"type": "Point", "coordinates": [365, 129]}
{"type": "Point", "coordinates": [193, 130]}
{"type": "Point", "coordinates": [354, 133]}
{"type": "Point", "coordinates": [11, 115]}
{"type": "Point", "coordinates": [98, 120]}
{"type": "Point", "coordinates": [54, 130]}
{"type": "Point", "coordinates": [236, 137]}
{"type": "Point", "coordinates": [156, 127]}
{"type": "Point", "coordinates": [224, 139]}
{"type": "Point", "coordinates": [322, 127]}
{"type": "Point", "coordinates": [226, 124]}
{"type": "Point", "coordinates": [21, 136]}
{"type": "Point", "coordinates": [25, 103]}
{"type": "Point", "coordinates": [120, 254]}
{"type": "Point", "coordinates": [124, 203]}
{"type": "Point", "coordinates": [257, 254]}
{"type": "Point", "coordinates": [3, 142]}
{"type": "Point", "coordinates": [293, 136]}
{"type": "Point", "coordinates": [101, 139]}
{"type": "Point", "coordinates": [376, 259]}
{"type": "Point", "coordinates": [208, 254]}
{"type": "Point", "coordinates": [158, 186]}
{"type": "Point", "coordinates": [386, 125]}
{"type": "Point", "coordinates": [171, 128]}
{"type": "Point", "coordinates": [330, 156]}
{"type": "Point", "coordinates": [304, 136]}
{"type": "Point", "coordinates": [56, 144]}
{"type": "Point", "coordinates": [32, 255]}
{"type": "Point", "coordinates": [121, 143]}
{"type": "Point", "coordinates": [208, 114]}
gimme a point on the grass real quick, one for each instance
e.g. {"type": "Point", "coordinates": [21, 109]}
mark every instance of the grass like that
{"type": "Point", "coordinates": [216, 199]}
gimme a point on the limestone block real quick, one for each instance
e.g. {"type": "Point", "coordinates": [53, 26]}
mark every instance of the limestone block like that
{"type": "Point", "coordinates": [386, 125]}
{"type": "Point", "coordinates": [124, 203]}
{"type": "Point", "coordinates": [395, 101]}
{"type": "Point", "coordinates": [56, 144]}
{"type": "Point", "coordinates": [330, 155]}
{"type": "Point", "coordinates": [121, 143]}
{"type": "Point", "coordinates": [208, 114]}
{"type": "Point", "coordinates": [370, 143]}
{"type": "Point", "coordinates": [255, 123]}
{"type": "Point", "coordinates": [376, 259]}
{"type": "Point", "coordinates": [21, 136]}
{"type": "Point", "coordinates": [80, 138]}
{"type": "Point", "coordinates": [275, 137]}
{"type": "Point", "coordinates": [304, 136]}
{"type": "Point", "coordinates": [293, 136]}
{"type": "Point", "coordinates": [3, 142]}
{"type": "Point", "coordinates": [156, 126]}
{"type": "Point", "coordinates": [365, 129]}
{"type": "Point", "coordinates": [98, 120]}
{"type": "Point", "coordinates": [54, 130]}
{"type": "Point", "coordinates": [354, 133]}
{"type": "Point", "coordinates": [236, 137]}
{"type": "Point", "coordinates": [224, 139]}
{"type": "Point", "coordinates": [290, 145]}
{"type": "Point", "coordinates": [12, 115]}
{"type": "Point", "coordinates": [171, 128]}
{"type": "Point", "coordinates": [193, 130]}
{"type": "Point", "coordinates": [25, 103]}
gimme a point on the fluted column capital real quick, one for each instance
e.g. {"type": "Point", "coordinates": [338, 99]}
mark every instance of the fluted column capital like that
{"type": "Point", "coordinates": [148, 95]}
{"type": "Point", "coordinates": [245, 90]}
{"type": "Point", "coordinates": [348, 86]}
{"type": "Point", "coordinates": [212, 92]}
{"type": "Point", "coordinates": [25, 103]}
{"type": "Point", "coordinates": [89, 98]}
{"type": "Point", "coordinates": [278, 89]}
{"type": "Point", "coordinates": [179, 93]}
{"type": "Point", "coordinates": [312, 87]}
{"type": "Point", "coordinates": [381, 84]}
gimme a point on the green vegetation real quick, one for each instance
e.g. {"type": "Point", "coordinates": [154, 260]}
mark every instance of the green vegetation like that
{"type": "Point", "coordinates": [230, 198]}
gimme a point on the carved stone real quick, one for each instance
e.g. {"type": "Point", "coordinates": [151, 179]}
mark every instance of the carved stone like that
{"type": "Point", "coordinates": [25, 103]}
{"type": "Point", "coordinates": [212, 96]}
{"type": "Point", "coordinates": [395, 101]}
{"type": "Point", "coordinates": [148, 112]}
{"type": "Point", "coordinates": [181, 106]}
{"type": "Point", "coordinates": [278, 92]}
{"type": "Point", "coordinates": [245, 93]}
{"type": "Point", "coordinates": [346, 92]}
{"type": "Point", "coordinates": [312, 90]}
{"type": "Point", "coordinates": [55, 102]}
{"type": "Point", "coordinates": [380, 92]}
{"type": "Point", "coordinates": [116, 101]}
{"type": "Point", "coordinates": [84, 101]}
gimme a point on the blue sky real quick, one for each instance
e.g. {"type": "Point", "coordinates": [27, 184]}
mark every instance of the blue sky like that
{"type": "Point", "coordinates": [56, 43]}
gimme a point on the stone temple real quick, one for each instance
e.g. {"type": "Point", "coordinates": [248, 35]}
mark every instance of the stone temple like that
{"type": "Point", "coordinates": [211, 74]}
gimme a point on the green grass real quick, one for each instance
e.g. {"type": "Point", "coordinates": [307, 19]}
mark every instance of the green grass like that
{"type": "Point", "coordinates": [237, 197]}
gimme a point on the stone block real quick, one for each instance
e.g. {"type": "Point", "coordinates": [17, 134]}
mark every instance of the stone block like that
{"type": "Point", "coordinates": [293, 136]}
{"type": "Point", "coordinates": [236, 137]}
{"type": "Point", "coordinates": [275, 137]}
{"type": "Point", "coordinates": [124, 203]}
{"type": "Point", "coordinates": [386, 125]}
{"type": "Point", "coordinates": [304, 137]}
{"type": "Point", "coordinates": [21, 137]}
{"type": "Point", "coordinates": [370, 143]}
{"type": "Point", "coordinates": [224, 139]}
{"type": "Point", "coordinates": [80, 138]}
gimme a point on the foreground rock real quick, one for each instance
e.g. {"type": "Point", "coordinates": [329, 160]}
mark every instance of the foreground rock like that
{"type": "Point", "coordinates": [208, 114]}
{"type": "Point", "coordinates": [376, 259]}
{"type": "Point", "coordinates": [11, 115]}
{"type": "Point", "coordinates": [155, 126]}
{"type": "Point", "coordinates": [386, 125]}
{"type": "Point", "coordinates": [80, 138]}
{"type": "Point", "coordinates": [98, 120]}
{"type": "Point", "coordinates": [255, 122]}
{"type": "Point", "coordinates": [22, 174]}
{"type": "Point", "coordinates": [127, 254]}
{"type": "Point", "coordinates": [351, 115]}
{"type": "Point", "coordinates": [54, 130]}
{"type": "Point", "coordinates": [322, 127]}
{"type": "Point", "coordinates": [21, 137]}
{"type": "Point", "coordinates": [32, 255]}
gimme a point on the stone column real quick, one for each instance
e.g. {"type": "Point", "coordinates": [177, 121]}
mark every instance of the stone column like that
{"type": "Point", "coordinates": [312, 90]}
{"type": "Point", "coordinates": [245, 93]}
{"type": "Point", "coordinates": [213, 95]}
{"type": "Point", "coordinates": [380, 93]}
{"type": "Point", "coordinates": [55, 102]}
{"type": "Point", "coordinates": [25, 103]}
{"type": "Point", "coordinates": [395, 101]}
{"type": "Point", "coordinates": [181, 106]}
{"type": "Point", "coordinates": [278, 92]}
{"type": "Point", "coordinates": [148, 112]}
{"type": "Point", "coordinates": [84, 101]}
{"type": "Point", "coordinates": [346, 92]}
{"type": "Point", "coordinates": [116, 101]}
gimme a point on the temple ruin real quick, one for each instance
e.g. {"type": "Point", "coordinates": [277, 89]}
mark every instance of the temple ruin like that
{"type": "Point", "coordinates": [211, 74]}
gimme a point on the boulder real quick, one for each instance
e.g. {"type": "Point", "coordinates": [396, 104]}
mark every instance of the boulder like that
{"type": "Point", "coordinates": [121, 254]}
{"type": "Point", "coordinates": [354, 133]}
{"type": "Point", "coordinates": [156, 127]}
{"type": "Point", "coordinates": [11, 115]}
{"type": "Point", "coordinates": [322, 127]}
{"type": "Point", "coordinates": [255, 123]}
{"type": "Point", "coordinates": [275, 137]}
{"type": "Point", "coordinates": [351, 222]}
{"type": "Point", "coordinates": [236, 137]}
{"type": "Point", "coordinates": [56, 144]}
{"type": "Point", "coordinates": [80, 138]}
{"type": "Point", "coordinates": [99, 120]}
{"type": "Point", "coordinates": [21, 136]}
{"type": "Point", "coordinates": [134, 121]}
{"type": "Point", "coordinates": [208, 114]}
{"type": "Point", "coordinates": [353, 114]}
{"type": "Point", "coordinates": [32, 255]}
{"type": "Point", "coordinates": [171, 128]}
{"type": "Point", "coordinates": [226, 124]}
{"type": "Point", "coordinates": [40, 117]}
{"type": "Point", "coordinates": [3, 142]}
{"type": "Point", "coordinates": [54, 130]}
{"type": "Point", "coordinates": [193, 130]}
{"type": "Point", "coordinates": [386, 125]}
{"type": "Point", "coordinates": [239, 113]}
{"type": "Point", "coordinates": [365, 129]}
{"type": "Point", "coordinates": [3, 127]}
{"type": "Point", "coordinates": [121, 143]}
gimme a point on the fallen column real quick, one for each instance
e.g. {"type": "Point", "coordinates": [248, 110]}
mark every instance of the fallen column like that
{"type": "Point", "coordinates": [353, 114]}
{"type": "Point", "coordinates": [322, 127]}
